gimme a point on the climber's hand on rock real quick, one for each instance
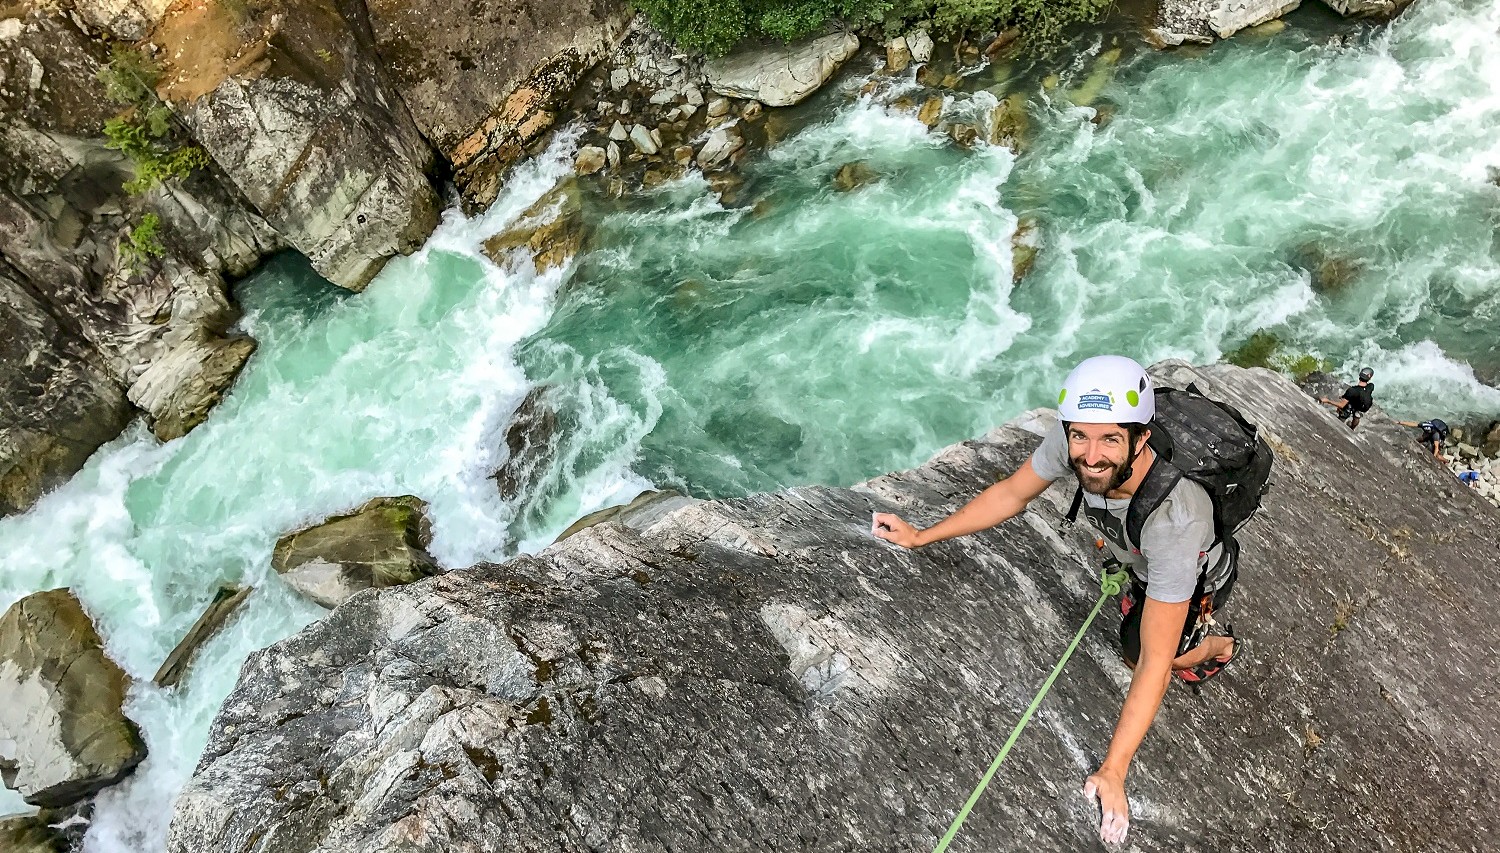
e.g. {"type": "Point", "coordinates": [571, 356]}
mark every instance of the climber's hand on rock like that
{"type": "Point", "coordinates": [892, 529]}
{"type": "Point", "coordinates": [1114, 809]}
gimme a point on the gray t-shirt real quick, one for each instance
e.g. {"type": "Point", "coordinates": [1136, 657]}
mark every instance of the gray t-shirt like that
{"type": "Point", "coordinates": [1177, 540]}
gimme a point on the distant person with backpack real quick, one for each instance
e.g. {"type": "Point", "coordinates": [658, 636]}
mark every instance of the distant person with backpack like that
{"type": "Point", "coordinates": [1159, 523]}
{"type": "Point", "coordinates": [1357, 399]}
{"type": "Point", "coordinates": [1434, 433]}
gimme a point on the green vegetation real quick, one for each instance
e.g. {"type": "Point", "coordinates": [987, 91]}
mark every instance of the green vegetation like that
{"type": "Point", "coordinates": [716, 26]}
{"type": "Point", "coordinates": [141, 131]}
{"type": "Point", "coordinates": [130, 77]}
{"type": "Point", "coordinates": [1263, 349]}
{"type": "Point", "coordinates": [142, 243]}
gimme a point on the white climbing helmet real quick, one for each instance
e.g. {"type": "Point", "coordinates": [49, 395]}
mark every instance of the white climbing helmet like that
{"type": "Point", "coordinates": [1107, 389]}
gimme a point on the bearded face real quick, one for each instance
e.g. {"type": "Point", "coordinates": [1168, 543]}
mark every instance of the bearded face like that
{"type": "Point", "coordinates": [1101, 455]}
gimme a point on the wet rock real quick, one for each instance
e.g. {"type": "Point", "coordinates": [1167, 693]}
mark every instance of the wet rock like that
{"type": "Point", "coordinates": [528, 443]}
{"type": "Point", "coordinates": [783, 75]}
{"type": "Point", "coordinates": [897, 55]}
{"type": "Point", "coordinates": [721, 145]}
{"type": "Point", "coordinates": [682, 155]}
{"type": "Point", "coordinates": [929, 76]}
{"type": "Point", "coordinates": [179, 389]}
{"type": "Point", "coordinates": [852, 176]}
{"type": "Point", "coordinates": [963, 135]}
{"type": "Point", "coordinates": [618, 132]}
{"type": "Point", "coordinates": [932, 111]}
{"type": "Point", "coordinates": [226, 601]}
{"type": "Point", "coordinates": [381, 544]}
{"type": "Point", "coordinates": [717, 654]}
{"type": "Point", "coordinates": [63, 733]}
{"type": "Point", "coordinates": [591, 158]}
{"type": "Point", "coordinates": [718, 108]}
{"type": "Point", "coordinates": [752, 111]}
{"type": "Point", "coordinates": [920, 44]}
{"type": "Point", "coordinates": [553, 228]}
{"type": "Point", "coordinates": [644, 510]}
{"type": "Point", "coordinates": [612, 154]}
{"type": "Point", "coordinates": [1009, 123]}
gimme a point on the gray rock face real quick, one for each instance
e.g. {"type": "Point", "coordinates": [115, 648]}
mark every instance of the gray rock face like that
{"type": "Point", "coordinates": [62, 733]}
{"type": "Point", "coordinates": [57, 402]}
{"type": "Point", "coordinates": [64, 216]}
{"type": "Point", "coordinates": [781, 76]}
{"type": "Point", "coordinates": [291, 105]}
{"type": "Point", "coordinates": [485, 81]}
{"type": "Point", "coordinates": [762, 674]}
{"type": "Point", "coordinates": [383, 543]}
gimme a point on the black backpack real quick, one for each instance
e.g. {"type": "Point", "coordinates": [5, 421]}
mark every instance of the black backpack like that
{"type": "Point", "coordinates": [1360, 398]}
{"type": "Point", "coordinates": [1210, 443]}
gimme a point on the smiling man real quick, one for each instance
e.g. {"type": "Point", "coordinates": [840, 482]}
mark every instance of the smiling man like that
{"type": "Point", "coordinates": [1180, 572]}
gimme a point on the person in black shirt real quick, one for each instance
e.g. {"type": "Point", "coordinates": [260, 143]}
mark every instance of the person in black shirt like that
{"type": "Point", "coordinates": [1357, 399]}
{"type": "Point", "coordinates": [1434, 433]}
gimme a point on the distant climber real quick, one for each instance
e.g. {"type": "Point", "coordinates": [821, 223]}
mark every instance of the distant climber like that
{"type": "Point", "coordinates": [1434, 433]}
{"type": "Point", "coordinates": [1357, 399]}
{"type": "Point", "coordinates": [1181, 568]}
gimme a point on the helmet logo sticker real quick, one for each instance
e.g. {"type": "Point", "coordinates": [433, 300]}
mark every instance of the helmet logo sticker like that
{"type": "Point", "coordinates": [1096, 399]}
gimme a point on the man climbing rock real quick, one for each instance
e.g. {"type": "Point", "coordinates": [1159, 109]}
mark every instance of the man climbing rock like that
{"type": "Point", "coordinates": [1181, 571]}
{"type": "Point", "coordinates": [1434, 433]}
{"type": "Point", "coordinates": [1357, 399]}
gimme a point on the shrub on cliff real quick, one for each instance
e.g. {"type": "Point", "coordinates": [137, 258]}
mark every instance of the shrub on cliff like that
{"type": "Point", "coordinates": [716, 26]}
{"type": "Point", "coordinates": [142, 131]}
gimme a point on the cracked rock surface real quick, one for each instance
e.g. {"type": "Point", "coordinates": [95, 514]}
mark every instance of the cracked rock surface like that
{"type": "Point", "coordinates": [761, 674]}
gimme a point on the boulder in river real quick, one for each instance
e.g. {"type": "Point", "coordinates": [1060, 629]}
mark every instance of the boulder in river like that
{"type": "Point", "coordinates": [554, 229]}
{"type": "Point", "coordinates": [383, 543]}
{"type": "Point", "coordinates": [227, 599]}
{"type": "Point", "coordinates": [63, 732]}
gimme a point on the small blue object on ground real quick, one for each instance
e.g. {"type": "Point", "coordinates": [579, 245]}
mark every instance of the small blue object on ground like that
{"type": "Point", "coordinates": [1470, 477]}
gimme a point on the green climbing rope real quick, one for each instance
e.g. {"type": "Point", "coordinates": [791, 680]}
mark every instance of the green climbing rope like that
{"type": "Point", "coordinates": [1109, 586]}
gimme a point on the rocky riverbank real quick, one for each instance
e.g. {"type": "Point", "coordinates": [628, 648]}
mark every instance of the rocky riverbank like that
{"type": "Point", "coordinates": [762, 674]}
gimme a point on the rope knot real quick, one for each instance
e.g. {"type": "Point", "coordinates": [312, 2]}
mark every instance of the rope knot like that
{"type": "Point", "coordinates": [1112, 583]}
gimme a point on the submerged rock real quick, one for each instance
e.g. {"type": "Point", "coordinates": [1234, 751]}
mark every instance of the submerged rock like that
{"type": "Point", "coordinates": [762, 674]}
{"type": "Point", "coordinates": [554, 229]}
{"type": "Point", "coordinates": [784, 75]}
{"type": "Point", "coordinates": [63, 733]}
{"type": "Point", "coordinates": [852, 176]}
{"type": "Point", "coordinates": [381, 544]}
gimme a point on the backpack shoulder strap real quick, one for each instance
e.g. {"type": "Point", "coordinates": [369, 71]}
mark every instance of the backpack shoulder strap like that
{"type": "Point", "coordinates": [1159, 482]}
{"type": "Point", "coordinates": [1072, 515]}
